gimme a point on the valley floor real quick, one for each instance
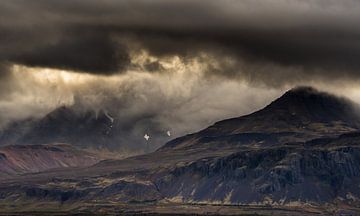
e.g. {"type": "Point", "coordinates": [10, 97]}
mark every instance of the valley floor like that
{"type": "Point", "coordinates": [168, 208]}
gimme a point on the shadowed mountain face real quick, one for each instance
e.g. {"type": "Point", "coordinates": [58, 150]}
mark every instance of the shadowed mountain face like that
{"type": "Point", "coordinates": [85, 129]}
{"type": "Point", "coordinates": [300, 114]}
{"type": "Point", "coordinates": [64, 125]}
{"type": "Point", "coordinates": [302, 109]}
{"type": "Point", "coordinates": [303, 148]}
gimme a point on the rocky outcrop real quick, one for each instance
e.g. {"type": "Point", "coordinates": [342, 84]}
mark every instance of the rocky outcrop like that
{"type": "Point", "coordinates": [95, 190]}
{"type": "Point", "coordinates": [286, 174]}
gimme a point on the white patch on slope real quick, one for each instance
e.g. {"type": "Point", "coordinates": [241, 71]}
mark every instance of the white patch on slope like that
{"type": "Point", "coordinates": [109, 117]}
{"type": "Point", "coordinates": [227, 199]}
{"type": "Point", "coordinates": [147, 137]}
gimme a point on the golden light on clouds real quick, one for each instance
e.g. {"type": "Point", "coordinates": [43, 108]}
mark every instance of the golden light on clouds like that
{"type": "Point", "coordinates": [180, 92]}
{"type": "Point", "coordinates": [48, 75]}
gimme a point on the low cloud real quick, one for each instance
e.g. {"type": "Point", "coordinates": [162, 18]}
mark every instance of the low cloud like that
{"type": "Point", "coordinates": [179, 99]}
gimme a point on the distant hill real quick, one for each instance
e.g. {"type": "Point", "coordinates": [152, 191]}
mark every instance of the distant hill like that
{"type": "Point", "coordinates": [16, 160]}
{"type": "Point", "coordinates": [84, 128]}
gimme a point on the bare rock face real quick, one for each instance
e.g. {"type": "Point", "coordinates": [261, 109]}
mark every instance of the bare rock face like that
{"type": "Point", "coordinates": [15, 160]}
{"type": "Point", "coordinates": [286, 174]}
{"type": "Point", "coordinates": [67, 191]}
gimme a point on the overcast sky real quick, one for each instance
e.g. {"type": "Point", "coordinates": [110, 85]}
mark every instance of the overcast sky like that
{"type": "Point", "coordinates": [176, 65]}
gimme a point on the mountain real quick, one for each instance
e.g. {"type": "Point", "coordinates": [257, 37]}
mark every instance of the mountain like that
{"type": "Point", "coordinates": [300, 155]}
{"type": "Point", "coordinates": [303, 109]}
{"type": "Point", "coordinates": [300, 114]}
{"type": "Point", "coordinates": [16, 160]}
{"type": "Point", "coordinates": [85, 128]}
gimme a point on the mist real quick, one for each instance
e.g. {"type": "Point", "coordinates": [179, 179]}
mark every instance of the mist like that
{"type": "Point", "coordinates": [180, 98]}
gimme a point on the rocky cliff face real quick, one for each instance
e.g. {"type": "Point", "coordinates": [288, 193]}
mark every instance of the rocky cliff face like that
{"type": "Point", "coordinates": [282, 175]}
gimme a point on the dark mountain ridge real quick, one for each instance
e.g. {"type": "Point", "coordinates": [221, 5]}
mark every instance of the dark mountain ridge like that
{"type": "Point", "coordinates": [84, 129]}
{"type": "Point", "coordinates": [294, 111]}
{"type": "Point", "coordinates": [301, 114]}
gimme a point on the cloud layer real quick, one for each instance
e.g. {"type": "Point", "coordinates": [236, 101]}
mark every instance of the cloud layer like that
{"type": "Point", "coordinates": [175, 65]}
{"type": "Point", "coordinates": [317, 38]}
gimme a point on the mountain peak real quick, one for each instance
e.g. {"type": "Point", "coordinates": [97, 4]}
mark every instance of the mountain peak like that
{"type": "Point", "coordinates": [298, 110]}
{"type": "Point", "coordinates": [301, 93]}
{"type": "Point", "coordinates": [308, 92]}
{"type": "Point", "coordinates": [313, 105]}
{"type": "Point", "coordinates": [303, 90]}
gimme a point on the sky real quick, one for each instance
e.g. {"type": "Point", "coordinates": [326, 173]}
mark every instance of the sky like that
{"type": "Point", "coordinates": [175, 65]}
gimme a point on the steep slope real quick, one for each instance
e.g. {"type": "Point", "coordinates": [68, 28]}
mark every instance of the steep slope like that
{"type": "Point", "coordinates": [16, 160]}
{"type": "Point", "coordinates": [300, 114]}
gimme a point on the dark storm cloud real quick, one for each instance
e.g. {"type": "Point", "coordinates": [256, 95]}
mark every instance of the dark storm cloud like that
{"type": "Point", "coordinates": [6, 78]}
{"type": "Point", "coordinates": [320, 37]}
{"type": "Point", "coordinates": [80, 50]}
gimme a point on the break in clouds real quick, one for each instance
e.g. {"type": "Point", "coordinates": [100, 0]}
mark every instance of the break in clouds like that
{"type": "Point", "coordinates": [171, 65]}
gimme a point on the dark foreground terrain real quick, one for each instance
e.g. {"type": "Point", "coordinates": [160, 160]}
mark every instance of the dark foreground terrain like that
{"type": "Point", "coordinates": [300, 155]}
{"type": "Point", "coordinates": [176, 209]}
